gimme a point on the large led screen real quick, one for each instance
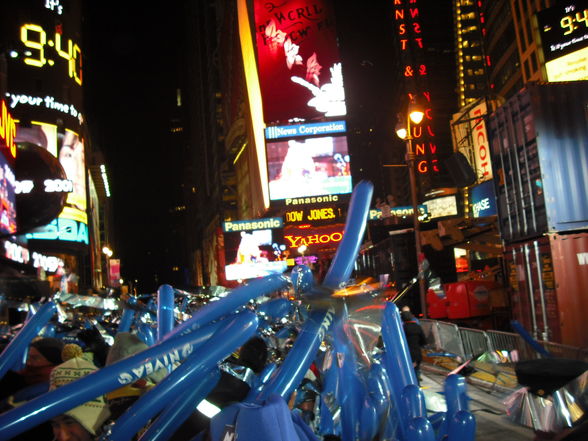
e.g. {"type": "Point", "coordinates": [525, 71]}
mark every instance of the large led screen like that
{"type": "Point", "coordinates": [44, 69]}
{"type": "Point", "coordinates": [564, 37]}
{"type": "Point", "coordinates": [68, 147]}
{"type": "Point", "coordinates": [308, 167]}
{"type": "Point", "coordinates": [7, 198]}
{"type": "Point", "coordinates": [254, 250]}
{"type": "Point", "coordinates": [298, 60]}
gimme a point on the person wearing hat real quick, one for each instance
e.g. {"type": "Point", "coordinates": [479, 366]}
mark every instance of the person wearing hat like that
{"type": "Point", "coordinates": [119, 400]}
{"type": "Point", "coordinates": [84, 422]}
{"type": "Point", "coordinates": [44, 355]}
{"type": "Point", "coordinates": [18, 387]}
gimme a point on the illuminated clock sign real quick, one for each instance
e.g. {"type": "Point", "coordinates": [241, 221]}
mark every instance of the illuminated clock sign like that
{"type": "Point", "coordinates": [41, 43]}
{"type": "Point", "coordinates": [564, 36]}
{"type": "Point", "coordinates": [296, 130]}
{"type": "Point", "coordinates": [44, 59]}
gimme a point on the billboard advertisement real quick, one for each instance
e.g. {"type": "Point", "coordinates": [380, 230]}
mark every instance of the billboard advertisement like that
{"type": "Point", "coordinates": [7, 177]}
{"type": "Point", "coordinates": [44, 68]}
{"type": "Point", "coordinates": [314, 240]}
{"type": "Point", "coordinates": [483, 200]}
{"type": "Point", "coordinates": [68, 147]}
{"type": "Point", "coordinates": [299, 65]}
{"type": "Point", "coordinates": [564, 37]}
{"type": "Point", "coordinates": [254, 248]}
{"type": "Point", "coordinates": [308, 167]}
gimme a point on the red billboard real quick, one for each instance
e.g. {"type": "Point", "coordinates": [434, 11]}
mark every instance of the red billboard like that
{"type": "Point", "coordinates": [298, 60]}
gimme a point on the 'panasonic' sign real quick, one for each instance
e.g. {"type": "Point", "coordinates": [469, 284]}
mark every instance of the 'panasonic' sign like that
{"type": "Point", "coordinates": [324, 128]}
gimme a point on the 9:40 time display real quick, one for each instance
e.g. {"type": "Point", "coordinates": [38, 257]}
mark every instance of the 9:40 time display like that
{"type": "Point", "coordinates": [34, 37]}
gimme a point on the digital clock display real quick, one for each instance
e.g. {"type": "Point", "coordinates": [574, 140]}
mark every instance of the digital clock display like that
{"type": "Point", "coordinates": [44, 60]}
{"type": "Point", "coordinates": [563, 28]}
{"type": "Point", "coordinates": [34, 37]}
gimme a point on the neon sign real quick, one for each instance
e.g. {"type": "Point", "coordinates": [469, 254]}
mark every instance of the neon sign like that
{"type": "Point", "coordinates": [62, 229]}
{"type": "Point", "coordinates": [296, 241]}
{"type": "Point", "coordinates": [8, 129]}
{"type": "Point", "coordinates": [313, 214]}
{"type": "Point", "coordinates": [409, 31]}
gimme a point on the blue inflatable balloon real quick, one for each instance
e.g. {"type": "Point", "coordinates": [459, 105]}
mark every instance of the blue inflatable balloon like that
{"type": "Point", "coordinates": [181, 408]}
{"type": "Point", "coordinates": [108, 378]}
{"type": "Point", "coordinates": [462, 427]}
{"type": "Point", "coordinates": [300, 357]}
{"type": "Point", "coordinates": [165, 310]}
{"type": "Point", "coordinates": [233, 332]}
{"type": "Point", "coordinates": [275, 309]}
{"type": "Point", "coordinates": [342, 264]}
{"type": "Point", "coordinates": [227, 305]}
{"type": "Point", "coordinates": [302, 279]}
{"type": "Point", "coordinates": [12, 354]}
{"type": "Point", "coordinates": [127, 316]}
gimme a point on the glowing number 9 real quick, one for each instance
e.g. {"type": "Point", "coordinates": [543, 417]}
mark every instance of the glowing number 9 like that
{"type": "Point", "coordinates": [566, 22]}
{"type": "Point", "coordinates": [39, 45]}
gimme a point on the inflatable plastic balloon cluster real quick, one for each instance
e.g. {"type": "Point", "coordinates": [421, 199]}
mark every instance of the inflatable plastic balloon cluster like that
{"type": "Point", "coordinates": [338, 364]}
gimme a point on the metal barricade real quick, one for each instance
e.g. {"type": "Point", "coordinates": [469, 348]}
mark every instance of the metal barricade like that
{"type": "Point", "coordinates": [450, 339]}
{"type": "Point", "coordinates": [474, 342]}
{"type": "Point", "coordinates": [562, 351]}
{"type": "Point", "coordinates": [431, 331]}
{"type": "Point", "coordinates": [511, 346]}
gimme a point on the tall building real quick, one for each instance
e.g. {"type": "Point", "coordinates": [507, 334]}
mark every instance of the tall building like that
{"type": "Point", "coordinates": [42, 52]}
{"type": "Point", "coordinates": [471, 62]}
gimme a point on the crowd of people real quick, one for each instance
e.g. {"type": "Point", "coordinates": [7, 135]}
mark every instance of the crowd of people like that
{"type": "Point", "coordinates": [52, 363]}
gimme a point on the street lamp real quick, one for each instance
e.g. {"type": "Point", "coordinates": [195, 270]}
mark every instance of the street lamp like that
{"type": "Point", "coordinates": [414, 115]}
{"type": "Point", "coordinates": [107, 251]}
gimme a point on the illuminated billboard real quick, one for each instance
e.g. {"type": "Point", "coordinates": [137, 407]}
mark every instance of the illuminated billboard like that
{"type": "Point", "coordinates": [308, 167]}
{"type": "Point", "coordinates": [564, 36]}
{"type": "Point", "coordinates": [7, 177]}
{"type": "Point", "coordinates": [44, 68]}
{"type": "Point", "coordinates": [68, 147]}
{"type": "Point", "coordinates": [254, 248]}
{"type": "Point", "coordinates": [299, 65]}
{"type": "Point", "coordinates": [314, 239]}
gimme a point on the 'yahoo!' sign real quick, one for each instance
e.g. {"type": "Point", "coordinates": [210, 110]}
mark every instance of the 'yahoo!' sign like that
{"type": "Point", "coordinates": [292, 131]}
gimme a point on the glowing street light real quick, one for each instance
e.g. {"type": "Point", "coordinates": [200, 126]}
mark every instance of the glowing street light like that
{"type": "Point", "coordinates": [107, 251]}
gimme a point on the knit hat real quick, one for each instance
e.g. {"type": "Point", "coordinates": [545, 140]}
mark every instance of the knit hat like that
{"type": "Point", "coordinates": [92, 414]}
{"type": "Point", "coordinates": [406, 316]}
{"type": "Point", "coordinates": [127, 344]}
{"type": "Point", "coordinates": [50, 348]}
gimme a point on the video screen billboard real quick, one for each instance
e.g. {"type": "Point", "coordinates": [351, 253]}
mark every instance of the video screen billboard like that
{"type": "Point", "coordinates": [254, 248]}
{"type": "Point", "coordinates": [308, 167]}
{"type": "Point", "coordinates": [299, 65]}
{"type": "Point", "coordinates": [68, 147]}
{"type": "Point", "coordinates": [564, 36]}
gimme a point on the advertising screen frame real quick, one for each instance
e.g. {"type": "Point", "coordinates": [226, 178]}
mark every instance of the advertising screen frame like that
{"type": "Point", "coordinates": [254, 248]}
{"type": "Point", "coordinates": [307, 167]}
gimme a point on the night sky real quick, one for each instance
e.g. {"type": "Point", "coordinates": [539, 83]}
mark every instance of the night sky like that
{"type": "Point", "coordinates": [130, 77]}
